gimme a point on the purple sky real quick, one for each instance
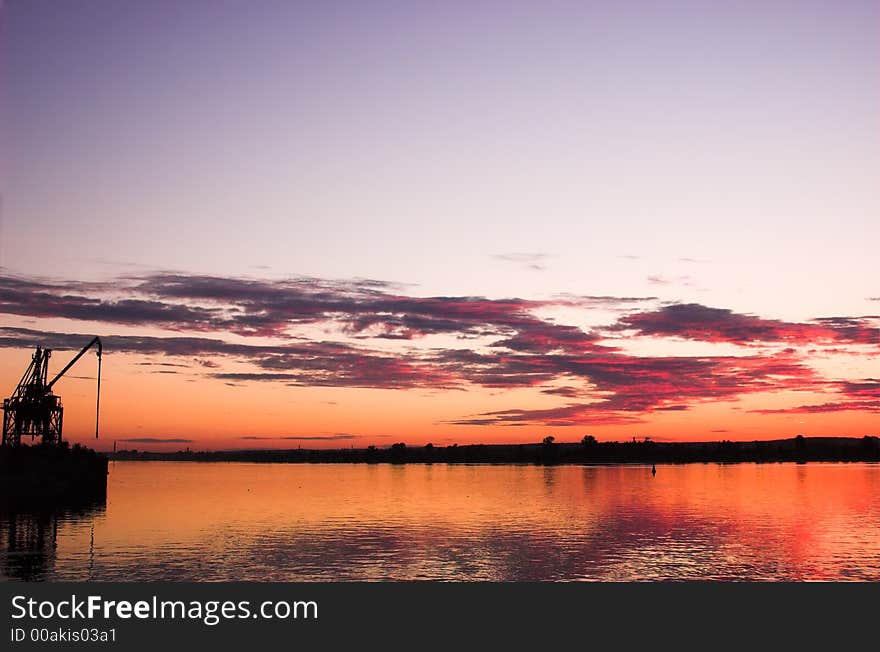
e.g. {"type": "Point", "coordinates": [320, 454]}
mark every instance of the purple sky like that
{"type": "Point", "coordinates": [390, 139]}
{"type": "Point", "coordinates": [719, 156]}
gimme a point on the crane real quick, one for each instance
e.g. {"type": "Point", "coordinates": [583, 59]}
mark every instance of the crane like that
{"type": "Point", "coordinates": [33, 409]}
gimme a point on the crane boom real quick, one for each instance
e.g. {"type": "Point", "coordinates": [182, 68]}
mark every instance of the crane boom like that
{"type": "Point", "coordinates": [96, 340]}
{"type": "Point", "coordinates": [33, 409]}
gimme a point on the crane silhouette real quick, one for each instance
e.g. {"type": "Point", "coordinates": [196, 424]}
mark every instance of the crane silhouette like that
{"type": "Point", "coordinates": [33, 409]}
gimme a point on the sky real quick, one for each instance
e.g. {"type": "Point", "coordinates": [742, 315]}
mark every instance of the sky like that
{"type": "Point", "coordinates": [347, 223]}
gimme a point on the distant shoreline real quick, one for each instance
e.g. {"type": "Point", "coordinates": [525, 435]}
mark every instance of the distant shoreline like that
{"type": "Point", "coordinates": [797, 449]}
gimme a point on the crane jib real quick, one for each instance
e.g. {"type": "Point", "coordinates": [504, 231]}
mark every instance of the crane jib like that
{"type": "Point", "coordinates": [33, 409]}
{"type": "Point", "coordinates": [96, 340]}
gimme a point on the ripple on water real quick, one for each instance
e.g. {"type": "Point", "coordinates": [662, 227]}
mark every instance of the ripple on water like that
{"type": "Point", "coordinates": [180, 521]}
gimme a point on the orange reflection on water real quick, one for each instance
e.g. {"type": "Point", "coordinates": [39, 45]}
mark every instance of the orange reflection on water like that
{"type": "Point", "coordinates": [167, 520]}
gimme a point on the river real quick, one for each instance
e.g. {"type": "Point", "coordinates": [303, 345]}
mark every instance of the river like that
{"type": "Point", "coordinates": [302, 522]}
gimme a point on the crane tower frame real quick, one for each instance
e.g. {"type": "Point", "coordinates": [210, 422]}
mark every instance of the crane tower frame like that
{"type": "Point", "coordinates": [33, 409]}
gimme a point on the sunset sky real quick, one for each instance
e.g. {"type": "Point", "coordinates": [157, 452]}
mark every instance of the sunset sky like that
{"type": "Point", "coordinates": [328, 224]}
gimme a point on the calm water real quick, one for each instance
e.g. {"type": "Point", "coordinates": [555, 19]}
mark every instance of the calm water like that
{"type": "Point", "coordinates": [190, 521]}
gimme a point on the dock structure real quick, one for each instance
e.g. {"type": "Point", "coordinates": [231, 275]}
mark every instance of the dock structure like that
{"type": "Point", "coordinates": [47, 468]}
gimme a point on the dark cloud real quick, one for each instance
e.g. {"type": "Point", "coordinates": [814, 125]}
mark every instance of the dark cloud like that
{"type": "Point", "coordinates": [544, 337]}
{"type": "Point", "coordinates": [625, 383]}
{"type": "Point", "coordinates": [35, 299]}
{"type": "Point", "coordinates": [860, 396]}
{"type": "Point", "coordinates": [867, 388]}
{"type": "Point", "coordinates": [362, 307]}
{"type": "Point", "coordinates": [262, 307]}
{"type": "Point", "coordinates": [842, 406]}
{"type": "Point", "coordinates": [519, 348]}
{"type": "Point", "coordinates": [533, 262]}
{"type": "Point", "coordinates": [173, 346]}
{"type": "Point", "coordinates": [567, 392]}
{"type": "Point", "coordinates": [631, 386]}
{"type": "Point", "coordinates": [694, 321]}
{"type": "Point", "coordinates": [854, 330]}
{"type": "Point", "coordinates": [337, 437]}
{"type": "Point", "coordinates": [576, 414]}
{"type": "Point", "coordinates": [366, 309]}
{"type": "Point", "coordinates": [155, 440]}
{"type": "Point", "coordinates": [331, 364]}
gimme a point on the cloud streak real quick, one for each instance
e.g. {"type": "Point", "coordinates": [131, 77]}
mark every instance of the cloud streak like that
{"type": "Point", "coordinates": [155, 440]}
{"type": "Point", "coordinates": [372, 331]}
{"type": "Point", "coordinates": [534, 262]}
{"type": "Point", "coordinates": [862, 396]}
{"type": "Point", "coordinates": [693, 321]}
{"type": "Point", "coordinates": [336, 437]}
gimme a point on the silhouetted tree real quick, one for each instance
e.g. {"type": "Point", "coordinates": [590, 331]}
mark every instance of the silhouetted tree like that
{"type": "Point", "coordinates": [548, 450]}
{"type": "Point", "coordinates": [800, 445]}
{"type": "Point", "coordinates": [398, 453]}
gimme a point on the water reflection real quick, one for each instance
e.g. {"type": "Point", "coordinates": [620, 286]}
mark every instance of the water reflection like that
{"type": "Point", "coordinates": [198, 521]}
{"type": "Point", "coordinates": [29, 536]}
